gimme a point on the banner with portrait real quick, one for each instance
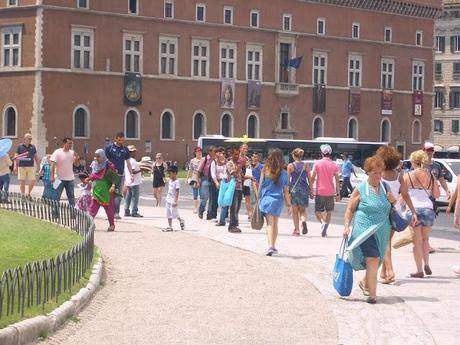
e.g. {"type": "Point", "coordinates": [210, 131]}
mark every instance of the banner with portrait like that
{"type": "Point", "coordinates": [354, 101]}
{"type": "Point", "coordinates": [227, 94]}
{"type": "Point", "coordinates": [387, 102]}
{"type": "Point", "coordinates": [417, 100]}
{"type": "Point", "coordinates": [254, 91]}
{"type": "Point", "coordinates": [319, 99]}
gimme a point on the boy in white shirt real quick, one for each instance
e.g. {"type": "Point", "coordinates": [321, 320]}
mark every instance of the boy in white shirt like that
{"type": "Point", "coordinates": [172, 199]}
{"type": "Point", "coordinates": [132, 183]}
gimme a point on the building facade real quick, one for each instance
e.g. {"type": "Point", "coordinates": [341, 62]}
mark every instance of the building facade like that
{"type": "Point", "coordinates": [167, 71]}
{"type": "Point", "coordinates": [446, 103]}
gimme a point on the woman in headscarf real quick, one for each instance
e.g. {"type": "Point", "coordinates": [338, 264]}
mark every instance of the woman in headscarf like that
{"type": "Point", "coordinates": [105, 178]}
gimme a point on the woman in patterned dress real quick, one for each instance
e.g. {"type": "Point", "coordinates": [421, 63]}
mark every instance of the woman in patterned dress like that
{"type": "Point", "coordinates": [369, 205]}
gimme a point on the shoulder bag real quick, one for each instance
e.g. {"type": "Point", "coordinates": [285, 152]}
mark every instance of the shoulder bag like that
{"type": "Point", "coordinates": [257, 220]}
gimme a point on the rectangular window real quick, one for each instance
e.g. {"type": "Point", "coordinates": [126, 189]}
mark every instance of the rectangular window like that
{"type": "Point", "coordinates": [132, 53]}
{"type": "Point", "coordinates": [169, 9]}
{"type": "Point", "coordinates": [133, 7]}
{"type": "Point", "coordinates": [418, 38]}
{"type": "Point", "coordinates": [438, 126]}
{"type": "Point", "coordinates": [454, 98]}
{"type": "Point", "coordinates": [200, 13]}
{"type": "Point", "coordinates": [168, 55]}
{"type": "Point", "coordinates": [11, 3]}
{"type": "Point", "coordinates": [438, 99]}
{"type": "Point", "coordinates": [284, 120]}
{"type": "Point", "coordinates": [228, 15]}
{"type": "Point", "coordinates": [455, 126]}
{"type": "Point", "coordinates": [321, 26]}
{"type": "Point", "coordinates": [11, 43]}
{"type": "Point", "coordinates": [82, 48]}
{"type": "Point", "coordinates": [319, 69]}
{"type": "Point", "coordinates": [254, 18]}
{"type": "Point", "coordinates": [355, 30]}
{"type": "Point", "coordinates": [82, 3]}
{"type": "Point", "coordinates": [254, 62]}
{"type": "Point", "coordinates": [438, 71]}
{"type": "Point", "coordinates": [200, 58]}
{"type": "Point", "coordinates": [287, 22]}
{"type": "Point", "coordinates": [228, 60]}
{"type": "Point", "coordinates": [354, 70]}
{"type": "Point", "coordinates": [418, 72]}
{"type": "Point", "coordinates": [440, 44]}
{"type": "Point", "coordinates": [388, 73]}
{"type": "Point", "coordinates": [285, 55]}
{"type": "Point", "coordinates": [455, 44]}
{"type": "Point", "coordinates": [388, 35]}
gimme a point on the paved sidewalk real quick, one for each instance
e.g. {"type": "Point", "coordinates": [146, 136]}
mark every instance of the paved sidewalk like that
{"type": "Point", "coordinates": [176, 288]}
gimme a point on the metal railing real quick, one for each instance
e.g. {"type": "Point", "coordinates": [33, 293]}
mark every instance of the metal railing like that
{"type": "Point", "coordinates": [37, 283]}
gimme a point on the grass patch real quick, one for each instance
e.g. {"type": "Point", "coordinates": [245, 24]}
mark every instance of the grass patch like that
{"type": "Point", "coordinates": [25, 239]}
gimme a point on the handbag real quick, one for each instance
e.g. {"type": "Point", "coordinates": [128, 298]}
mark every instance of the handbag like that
{"type": "Point", "coordinates": [397, 220]}
{"type": "Point", "coordinates": [403, 238]}
{"type": "Point", "coordinates": [342, 274]}
{"type": "Point", "coordinates": [257, 220]}
{"type": "Point", "coordinates": [226, 192]}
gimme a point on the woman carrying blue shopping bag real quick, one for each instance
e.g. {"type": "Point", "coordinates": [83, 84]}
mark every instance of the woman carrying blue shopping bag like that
{"type": "Point", "coordinates": [369, 209]}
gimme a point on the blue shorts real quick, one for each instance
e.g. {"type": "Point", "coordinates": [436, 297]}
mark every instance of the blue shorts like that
{"type": "Point", "coordinates": [425, 216]}
{"type": "Point", "coordinates": [369, 248]}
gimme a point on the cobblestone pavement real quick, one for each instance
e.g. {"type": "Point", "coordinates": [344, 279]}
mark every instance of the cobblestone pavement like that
{"type": "Point", "coordinates": [176, 288]}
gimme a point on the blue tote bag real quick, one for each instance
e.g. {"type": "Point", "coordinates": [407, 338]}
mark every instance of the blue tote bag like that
{"type": "Point", "coordinates": [342, 275]}
{"type": "Point", "coordinates": [226, 192]}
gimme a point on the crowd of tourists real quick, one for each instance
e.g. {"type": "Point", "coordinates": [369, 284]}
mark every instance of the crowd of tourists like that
{"type": "Point", "coordinates": [221, 179]}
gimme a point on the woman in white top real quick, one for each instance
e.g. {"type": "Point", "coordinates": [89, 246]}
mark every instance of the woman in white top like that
{"type": "Point", "coordinates": [394, 181]}
{"type": "Point", "coordinates": [422, 188]}
{"type": "Point", "coordinates": [192, 176]}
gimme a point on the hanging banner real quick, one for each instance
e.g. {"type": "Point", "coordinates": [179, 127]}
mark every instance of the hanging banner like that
{"type": "Point", "coordinates": [319, 99]}
{"type": "Point", "coordinates": [387, 102]}
{"type": "Point", "coordinates": [417, 101]}
{"type": "Point", "coordinates": [354, 101]}
{"type": "Point", "coordinates": [227, 94]}
{"type": "Point", "coordinates": [254, 91]}
{"type": "Point", "coordinates": [133, 89]}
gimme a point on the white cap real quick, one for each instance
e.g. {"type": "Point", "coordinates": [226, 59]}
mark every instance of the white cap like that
{"type": "Point", "coordinates": [326, 149]}
{"type": "Point", "coordinates": [428, 146]}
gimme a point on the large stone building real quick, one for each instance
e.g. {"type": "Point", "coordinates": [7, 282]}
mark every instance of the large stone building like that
{"type": "Point", "coordinates": [167, 71]}
{"type": "Point", "coordinates": [446, 114]}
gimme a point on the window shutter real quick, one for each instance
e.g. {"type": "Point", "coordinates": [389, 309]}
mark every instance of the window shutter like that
{"type": "Point", "coordinates": [451, 99]}
{"type": "Point", "coordinates": [442, 44]}
{"type": "Point", "coordinates": [452, 43]}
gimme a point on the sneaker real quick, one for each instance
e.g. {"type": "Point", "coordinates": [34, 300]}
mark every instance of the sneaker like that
{"type": "Point", "coordinates": [111, 228]}
{"type": "Point", "coordinates": [456, 270]}
{"type": "Point", "coordinates": [127, 214]}
{"type": "Point", "coordinates": [234, 229]}
{"type": "Point", "coordinates": [200, 215]}
{"type": "Point", "coordinates": [117, 216]}
{"type": "Point", "coordinates": [324, 227]}
{"type": "Point", "coordinates": [168, 229]}
{"type": "Point", "coordinates": [182, 223]}
{"type": "Point", "coordinates": [137, 215]}
{"type": "Point", "coordinates": [195, 211]}
{"type": "Point", "coordinates": [220, 224]}
{"type": "Point", "coordinates": [304, 228]}
{"type": "Point", "coordinates": [272, 251]}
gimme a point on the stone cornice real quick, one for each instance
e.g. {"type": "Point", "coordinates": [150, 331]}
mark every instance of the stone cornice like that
{"type": "Point", "coordinates": [389, 6]}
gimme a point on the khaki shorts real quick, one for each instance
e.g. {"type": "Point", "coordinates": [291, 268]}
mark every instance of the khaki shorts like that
{"type": "Point", "coordinates": [26, 173]}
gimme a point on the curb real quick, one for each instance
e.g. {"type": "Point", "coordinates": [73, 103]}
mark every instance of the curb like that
{"type": "Point", "coordinates": [28, 331]}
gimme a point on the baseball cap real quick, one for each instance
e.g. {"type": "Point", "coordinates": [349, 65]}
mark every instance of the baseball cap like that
{"type": "Point", "coordinates": [326, 149]}
{"type": "Point", "coordinates": [173, 168]}
{"type": "Point", "coordinates": [131, 148]}
{"type": "Point", "coordinates": [428, 146]}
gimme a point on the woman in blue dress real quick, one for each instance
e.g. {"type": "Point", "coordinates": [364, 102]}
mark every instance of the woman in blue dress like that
{"type": "Point", "coordinates": [273, 191]}
{"type": "Point", "coordinates": [368, 206]}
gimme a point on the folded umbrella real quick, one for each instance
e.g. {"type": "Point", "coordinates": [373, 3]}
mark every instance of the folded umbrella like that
{"type": "Point", "coordinates": [5, 146]}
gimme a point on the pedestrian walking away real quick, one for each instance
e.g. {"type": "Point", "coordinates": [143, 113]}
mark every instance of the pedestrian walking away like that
{"type": "Point", "coordinates": [299, 189]}
{"type": "Point", "coordinates": [49, 192]}
{"type": "Point", "coordinates": [393, 181]}
{"type": "Point", "coordinates": [219, 173]}
{"type": "Point", "coordinates": [247, 173]}
{"type": "Point", "coordinates": [5, 164]}
{"type": "Point", "coordinates": [84, 201]}
{"type": "Point", "coordinates": [369, 206]}
{"type": "Point", "coordinates": [26, 164]}
{"type": "Point", "coordinates": [117, 153]}
{"type": "Point", "coordinates": [274, 191]}
{"type": "Point", "coordinates": [172, 199]}
{"type": "Point", "coordinates": [204, 179]}
{"type": "Point", "coordinates": [235, 169]}
{"type": "Point", "coordinates": [456, 197]}
{"type": "Point", "coordinates": [62, 162]}
{"type": "Point", "coordinates": [326, 172]}
{"type": "Point", "coordinates": [347, 170]}
{"type": "Point", "coordinates": [105, 178]}
{"type": "Point", "coordinates": [192, 176]}
{"type": "Point", "coordinates": [423, 188]}
{"type": "Point", "coordinates": [132, 183]}
{"type": "Point", "coordinates": [159, 168]}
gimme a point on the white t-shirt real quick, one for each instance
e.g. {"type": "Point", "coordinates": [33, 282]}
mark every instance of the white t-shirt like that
{"type": "Point", "coordinates": [248, 182]}
{"type": "Point", "coordinates": [64, 164]}
{"type": "Point", "coordinates": [137, 177]}
{"type": "Point", "coordinates": [173, 186]}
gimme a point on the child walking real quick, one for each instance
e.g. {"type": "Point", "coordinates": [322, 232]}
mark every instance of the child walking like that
{"type": "Point", "coordinates": [84, 201]}
{"type": "Point", "coordinates": [172, 199]}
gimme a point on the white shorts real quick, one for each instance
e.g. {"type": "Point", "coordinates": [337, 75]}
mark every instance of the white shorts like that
{"type": "Point", "coordinates": [171, 212]}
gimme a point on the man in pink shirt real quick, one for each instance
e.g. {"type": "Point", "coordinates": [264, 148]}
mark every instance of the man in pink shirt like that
{"type": "Point", "coordinates": [326, 171]}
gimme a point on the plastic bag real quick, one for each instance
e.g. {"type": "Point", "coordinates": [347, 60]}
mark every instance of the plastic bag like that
{"type": "Point", "coordinates": [342, 275]}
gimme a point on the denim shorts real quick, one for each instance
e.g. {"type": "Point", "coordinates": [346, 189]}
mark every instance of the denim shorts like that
{"type": "Point", "coordinates": [425, 216]}
{"type": "Point", "coordinates": [370, 248]}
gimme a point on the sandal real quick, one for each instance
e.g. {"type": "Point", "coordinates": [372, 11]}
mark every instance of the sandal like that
{"type": "Point", "coordinates": [372, 300]}
{"type": "Point", "coordinates": [296, 232]}
{"type": "Point", "coordinates": [428, 271]}
{"type": "Point", "coordinates": [417, 275]}
{"type": "Point", "coordinates": [111, 228]}
{"type": "Point", "coordinates": [362, 286]}
{"type": "Point", "coordinates": [168, 229]}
